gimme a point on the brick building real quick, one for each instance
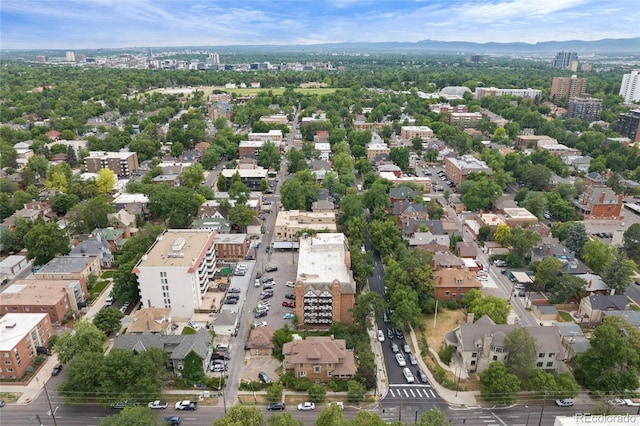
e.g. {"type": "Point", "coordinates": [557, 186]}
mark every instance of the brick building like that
{"type": "Point", "coordinates": [567, 87]}
{"type": "Point", "coordinates": [122, 164]}
{"type": "Point", "coordinates": [457, 169]}
{"type": "Point", "coordinates": [452, 284]}
{"type": "Point", "coordinates": [319, 359]}
{"type": "Point", "coordinates": [21, 334]}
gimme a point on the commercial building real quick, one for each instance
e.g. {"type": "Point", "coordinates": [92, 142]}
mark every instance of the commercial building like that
{"type": "Point", "coordinates": [58, 298]}
{"type": "Point", "coordinates": [289, 223]}
{"type": "Point", "coordinates": [457, 169]}
{"type": "Point", "coordinates": [493, 91]}
{"type": "Point", "coordinates": [411, 132]}
{"type": "Point", "coordinates": [325, 289]}
{"type": "Point", "coordinates": [21, 335]}
{"type": "Point", "coordinates": [630, 87]}
{"type": "Point", "coordinates": [567, 87]}
{"type": "Point", "coordinates": [176, 271]}
{"type": "Point", "coordinates": [566, 59]}
{"type": "Point", "coordinates": [585, 108]}
{"type": "Point", "coordinates": [629, 125]}
{"type": "Point", "coordinates": [122, 164]}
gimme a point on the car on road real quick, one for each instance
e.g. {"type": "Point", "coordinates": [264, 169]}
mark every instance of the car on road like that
{"type": "Point", "coordinates": [399, 334]}
{"type": "Point", "coordinates": [234, 290]}
{"type": "Point", "coordinates": [564, 402]}
{"type": "Point", "coordinates": [186, 405]}
{"type": "Point", "coordinates": [385, 317]}
{"type": "Point", "coordinates": [290, 284]}
{"type": "Point", "coordinates": [380, 336]}
{"type": "Point", "coordinates": [121, 404]}
{"type": "Point", "coordinates": [172, 421]}
{"type": "Point", "coordinates": [421, 376]}
{"type": "Point", "coordinates": [306, 406]}
{"type": "Point", "coordinates": [288, 304]}
{"type": "Point", "coordinates": [288, 315]}
{"type": "Point", "coordinates": [394, 348]}
{"type": "Point", "coordinates": [390, 333]}
{"type": "Point", "coordinates": [264, 377]}
{"type": "Point", "coordinates": [158, 405]}
{"type": "Point", "coordinates": [408, 375]}
{"type": "Point", "coordinates": [271, 268]}
{"type": "Point", "coordinates": [260, 313]}
{"type": "Point", "coordinates": [231, 301]}
{"type": "Point", "coordinates": [290, 296]}
{"type": "Point", "coordinates": [256, 283]}
{"type": "Point", "coordinates": [56, 370]}
{"type": "Point", "coordinates": [273, 406]}
{"type": "Point", "coordinates": [260, 324]}
{"type": "Point", "coordinates": [2, 403]}
{"type": "Point", "coordinates": [617, 401]}
{"type": "Point", "coordinates": [412, 359]}
{"type": "Point", "coordinates": [406, 348]}
{"type": "Point", "coordinates": [400, 360]}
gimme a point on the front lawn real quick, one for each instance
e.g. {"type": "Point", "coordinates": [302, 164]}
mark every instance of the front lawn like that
{"type": "Point", "coordinates": [95, 291]}
{"type": "Point", "coordinates": [566, 316]}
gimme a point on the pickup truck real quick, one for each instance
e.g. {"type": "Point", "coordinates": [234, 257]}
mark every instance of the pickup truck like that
{"type": "Point", "coordinates": [186, 405]}
{"type": "Point", "coordinates": [158, 405]}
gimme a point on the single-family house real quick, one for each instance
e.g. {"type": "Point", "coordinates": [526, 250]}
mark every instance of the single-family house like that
{"type": "Point", "coordinates": [592, 307]}
{"type": "Point", "coordinates": [453, 284]}
{"type": "Point", "coordinates": [319, 358]}
{"type": "Point", "coordinates": [261, 341]}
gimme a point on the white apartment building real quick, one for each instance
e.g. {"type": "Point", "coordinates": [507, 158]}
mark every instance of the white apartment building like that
{"type": "Point", "coordinates": [176, 271]}
{"type": "Point", "coordinates": [630, 88]}
{"type": "Point", "coordinates": [274, 136]}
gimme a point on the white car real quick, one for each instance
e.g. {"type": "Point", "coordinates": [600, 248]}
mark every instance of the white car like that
{"type": "Point", "coordinates": [401, 361]}
{"type": "Point", "coordinates": [380, 336]}
{"type": "Point", "coordinates": [483, 278]}
{"type": "Point", "coordinates": [260, 324]}
{"type": "Point", "coordinates": [158, 405]}
{"type": "Point", "coordinates": [306, 406]}
{"type": "Point", "coordinates": [408, 375]}
{"type": "Point", "coordinates": [291, 284]}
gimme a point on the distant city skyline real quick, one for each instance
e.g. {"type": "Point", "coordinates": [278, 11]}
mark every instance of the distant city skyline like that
{"type": "Point", "coordinates": [90, 24]}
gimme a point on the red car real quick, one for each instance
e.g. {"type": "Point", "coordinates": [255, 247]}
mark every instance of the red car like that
{"type": "Point", "coordinates": [288, 304]}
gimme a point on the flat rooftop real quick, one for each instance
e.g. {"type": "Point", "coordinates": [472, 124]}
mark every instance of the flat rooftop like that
{"type": "Point", "coordinates": [230, 238]}
{"type": "Point", "coordinates": [15, 327]}
{"type": "Point", "coordinates": [35, 292]}
{"type": "Point", "coordinates": [176, 248]}
{"type": "Point", "coordinates": [66, 265]}
{"type": "Point", "coordinates": [321, 259]}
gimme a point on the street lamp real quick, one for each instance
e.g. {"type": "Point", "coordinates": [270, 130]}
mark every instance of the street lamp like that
{"type": "Point", "coordinates": [528, 414]}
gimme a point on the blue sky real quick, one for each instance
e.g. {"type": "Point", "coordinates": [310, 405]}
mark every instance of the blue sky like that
{"type": "Point", "coordinates": [84, 24]}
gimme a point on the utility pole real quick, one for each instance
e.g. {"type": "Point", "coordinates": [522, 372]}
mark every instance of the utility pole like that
{"type": "Point", "coordinates": [542, 410]}
{"type": "Point", "coordinates": [51, 410]}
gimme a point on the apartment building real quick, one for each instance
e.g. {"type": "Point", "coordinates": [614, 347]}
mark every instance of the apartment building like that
{"type": "Point", "coordinates": [448, 108]}
{"type": "Point", "coordinates": [58, 298]}
{"type": "Point", "coordinates": [409, 133]}
{"type": "Point", "coordinates": [122, 164]}
{"type": "Point", "coordinates": [457, 169]}
{"type": "Point", "coordinates": [585, 108]}
{"type": "Point", "coordinates": [274, 136]}
{"type": "Point", "coordinates": [289, 223]}
{"type": "Point", "coordinates": [465, 120]}
{"type": "Point", "coordinates": [249, 149]}
{"type": "Point", "coordinates": [21, 335]}
{"type": "Point", "coordinates": [454, 283]}
{"type": "Point", "coordinates": [567, 87]}
{"type": "Point", "coordinates": [599, 203]}
{"type": "Point", "coordinates": [375, 150]}
{"type": "Point", "coordinates": [566, 59]}
{"type": "Point", "coordinates": [249, 176]}
{"type": "Point", "coordinates": [629, 125]}
{"type": "Point", "coordinates": [69, 268]}
{"type": "Point", "coordinates": [325, 289]}
{"type": "Point", "coordinates": [232, 247]}
{"type": "Point", "coordinates": [176, 270]}
{"type": "Point", "coordinates": [519, 93]}
{"type": "Point", "coordinates": [630, 87]}
{"type": "Point", "coordinates": [274, 119]}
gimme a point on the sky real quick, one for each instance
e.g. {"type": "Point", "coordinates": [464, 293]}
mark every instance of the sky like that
{"type": "Point", "coordinates": [89, 24]}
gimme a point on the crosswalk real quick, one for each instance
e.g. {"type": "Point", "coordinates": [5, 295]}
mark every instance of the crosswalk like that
{"type": "Point", "coordinates": [411, 391]}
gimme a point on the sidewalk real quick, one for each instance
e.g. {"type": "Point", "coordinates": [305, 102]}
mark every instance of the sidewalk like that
{"type": "Point", "coordinates": [32, 390]}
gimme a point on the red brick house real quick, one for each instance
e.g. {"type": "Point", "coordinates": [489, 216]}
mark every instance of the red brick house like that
{"type": "Point", "coordinates": [600, 203]}
{"type": "Point", "coordinates": [452, 284]}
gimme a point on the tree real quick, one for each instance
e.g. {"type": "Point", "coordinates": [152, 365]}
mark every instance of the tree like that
{"type": "Point", "coordinates": [283, 419]}
{"type": "Point", "coordinates": [610, 364]}
{"type": "Point", "coordinates": [105, 181]}
{"type": "Point", "coordinates": [108, 320]}
{"type": "Point", "coordinates": [177, 205]}
{"type": "Point", "coordinates": [480, 192]}
{"type": "Point", "coordinates": [39, 164]}
{"type": "Point", "coordinates": [274, 392]}
{"type": "Point", "coordinates": [547, 272]}
{"type": "Point", "coordinates": [241, 215]}
{"type": "Point", "coordinates": [542, 384]}
{"type": "Point", "coordinates": [238, 190]}
{"type": "Point", "coordinates": [434, 417]}
{"type": "Point", "coordinates": [385, 235]}
{"type": "Point", "coordinates": [502, 233]}
{"type": "Point", "coordinates": [269, 156]}
{"type": "Point", "coordinates": [193, 176]}
{"type": "Point", "coordinates": [9, 241]}
{"type": "Point", "coordinates": [631, 242]}
{"type": "Point", "coordinates": [521, 241]}
{"type": "Point", "coordinates": [62, 203]}
{"type": "Point", "coordinates": [494, 307]}
{"type": "Point", "coordinates": [596, 255]}
{"type": "Point", "coordinates": [368, 303]}
{"type": "Point", "coordinates": [618, 274]}
{"type": "Point", "coordinates": [576, 239]}
{"type": "Point", "coordinates": [355, 391]}
{"type": "Point", "coordinates": [331, 415]}
{"type": "Point", "coordinates": [496, 384]}
{"type": "Point", "coordinates": [44, 242]}
{"type": "Point", "coordinates": [404, 301]}
{"type": "Point", "coordinates": [434, 210]}
{"type": "Point", "coordinates": [94, 213]}
{"type": "Point", "coordinates": [400, 157]}
{"type": "Point", "coordinates": [536, 177]}
{"type": "Point", "coordinates": [368, 418]}
{"type": "Point", "coordinates": [132, 416]}
{"type": "Point", "coordinates": [317, 393]}
{"type": "Point", "coordinates": [86, 338]}
{"type": "Point", "coordinates": [221, 183]}
{"type": "Point", "coordinates": [523, 352]}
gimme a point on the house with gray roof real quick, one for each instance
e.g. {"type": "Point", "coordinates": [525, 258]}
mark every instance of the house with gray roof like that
{"type": "Point", "coordinates": [177, 346]}
{"type": "Point", "coordinates": [572, 338]}
{"type": "Point", "coordinates": [632, 317]}
{"type": "Point", "coordinates": [483, 342]}
{"type": "Point", "coordinates": [97, 247]}
{"type": "Point", "coordinates": [592, 308]}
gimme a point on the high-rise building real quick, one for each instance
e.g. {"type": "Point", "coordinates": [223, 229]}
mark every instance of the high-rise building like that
{"type": "Point", "coordinates": [630, 88]}
{"type": "Point", "coordinates": [629, 125]}
{"type": "Point", "coordinates": [565, 87]}
{"type": "Point", "coordinates": [564, 59]}
{"type": "Point", "coordinates": [213, 59]}
{"type": "Point", "coordinates": [585, 108]}
{"type": "Point", "coordinates": [70, 56]}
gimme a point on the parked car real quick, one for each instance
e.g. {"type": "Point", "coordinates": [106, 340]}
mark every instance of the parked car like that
{"type": "Point", "coordinates": [390, 333]}
{"type": "Point", "coordinates": [406, 348]}
{"type": "Point", "coordinates": [380, 336]}
{"type": "Point", "coordinates": [56, 370]}
{"type": "Point", "coordinates": [264, 377]}
{"type": "Point", "coordinates": [385, 317]}
{"type": "Point", "coordinates": [400, 360]}
{"type": "Point", "coordinates": [260, 313]}
{"type": "Point", "coordinates": [399, 334]}
{"type": "Point", "coordinates": [394, 348]}
{"type": "Point", "coordinates": [412, 359]}
{"type": "Point", "coordinates": [564, 402]}
{"type": "Point", "coordinates": [290, 284]}
{"type": "Point", "coordinates": [273, 406]}
{"type": "Point", "coordinates": [158, 405]}
{"type": "Point", "coordinates": [289, 315]}
{"type": "Point", "coordinates": [260, 324]}
{"type": "Point", "coordinates": [271, 268]}
{"type": "Point", "coordinates": [266, 279]}
{"type": "Point", "coordinates": [172, 421]}
{"type": "Point", "coordinates": [288, 304]}
{"type": "Point", "coordinates": [421, 376]}
{"type": "Point", "coordinates": [231, 301]}
{"type": "Point", "coordinates": [290, 296]}
{"type": "Point", "coordinates": [234, 290]}
{"type": "Point", "coordinates": [256, 283]}
{"type": "Point", "coordinates": [217, 368]}
{"type": "Point", "coordinates": [264, 296]}
{"type": "Point", "coordinates": [305, 406]}
{"type": "Point", "coordinates": [186, 405]}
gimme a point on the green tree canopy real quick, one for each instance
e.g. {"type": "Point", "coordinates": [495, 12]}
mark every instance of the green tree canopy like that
{"type": "Point", "coordinates": [618, 273]}
{"type": "Point", "coordinates": [494, 307]}
{"type": "Point", "coordinates": [44, 242]}
{"type": "Point", "coordinates": [108, 319]}
{"type": "Point", "coordinates": [496, 384]}
{"type": "Point", "coordinates": [523, 352]}
{"type": "Point", "coordinates": [131, 416]}
{"type": "Point", "coordinates": [597, 255]}
{"type": "Point", "coordinates": [85, 338]}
